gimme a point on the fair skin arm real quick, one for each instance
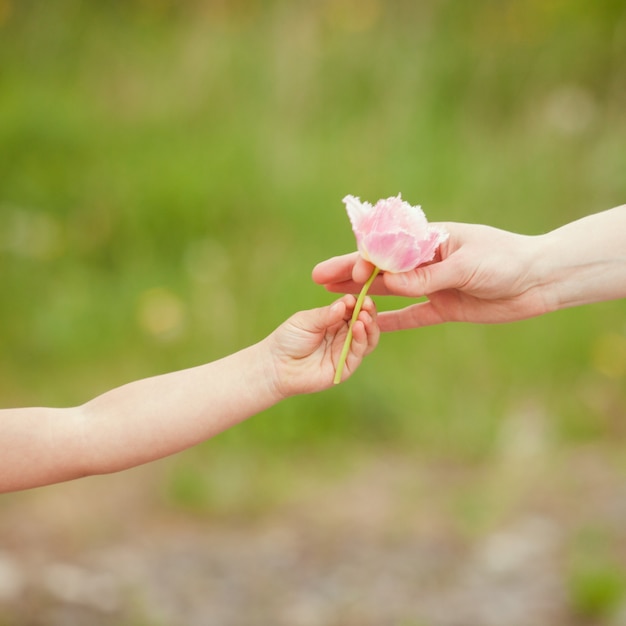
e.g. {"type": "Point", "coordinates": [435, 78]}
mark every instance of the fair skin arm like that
{"type": "Point", "coordinates": [486, 275]}
{"type": "Point", "coordinates": [156, 417]}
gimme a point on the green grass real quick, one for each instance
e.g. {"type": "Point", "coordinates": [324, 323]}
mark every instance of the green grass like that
{"type": "Point", "coordinates": [596, 579]}
{"type": "Point", "coordinates": [193, 156]}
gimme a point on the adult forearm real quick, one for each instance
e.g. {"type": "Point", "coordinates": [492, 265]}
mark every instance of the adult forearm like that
{"type": "Point", "coordinates": [585, 261]}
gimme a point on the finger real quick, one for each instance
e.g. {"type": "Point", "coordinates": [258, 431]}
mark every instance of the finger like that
{"type": "Point", "coordinates": [377, 288]}
{"type": "Point", "coordinates": [338, 312]}
{"type": "Point", "coordinates": [347, 286]}
{"type": "Point", "coordinates": [372, 331]}
{"type": "Point", "coordinates": [370, 307]}
{"type": "Point", "coordinates": [349, 302]}
{"type": "Point", "coordinates": [367, 307]}
{"type": "Point", "coordinates": [320, 319]}
{"type": "Point", "coordinates": [362, 270]}
{"type": "Point", "coordinates": [359, 347]}
{"type": "Point", "coordinates": [414, 316]}
{"type": "Point", "coordinates": [335, 270]}
{"type": "Point", "coordinates": [336, 275]}
{"type": "Point", "coordinates": [425, 279]}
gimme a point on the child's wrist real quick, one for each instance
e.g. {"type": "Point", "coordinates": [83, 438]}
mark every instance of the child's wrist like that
{"type": "Point", "coordinates": [272, 373]}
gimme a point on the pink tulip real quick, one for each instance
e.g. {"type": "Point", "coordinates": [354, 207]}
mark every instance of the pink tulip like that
{"type": "Point", "coordinates": [393, 235]}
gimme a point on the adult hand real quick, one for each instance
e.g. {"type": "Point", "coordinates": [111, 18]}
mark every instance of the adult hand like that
{"type": "Point", "coordinates": [480, 274]}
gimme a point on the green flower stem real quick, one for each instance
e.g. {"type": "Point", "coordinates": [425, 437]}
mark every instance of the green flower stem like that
{"type": "Point", "coordinates": [355, 315]}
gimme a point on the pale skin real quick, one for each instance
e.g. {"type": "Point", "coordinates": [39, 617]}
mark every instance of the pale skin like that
{"type": "Point", "coordinates": [486, 275]}
{"type": "Point", "coordinates": [155, 417]}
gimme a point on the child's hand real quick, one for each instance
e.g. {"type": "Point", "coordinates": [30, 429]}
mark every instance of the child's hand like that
{"type": "Point", "coordinates": [306, 348]}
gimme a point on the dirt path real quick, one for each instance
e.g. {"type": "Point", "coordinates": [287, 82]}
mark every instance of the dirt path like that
{"type": "Point", "coordinates": [394, 542]}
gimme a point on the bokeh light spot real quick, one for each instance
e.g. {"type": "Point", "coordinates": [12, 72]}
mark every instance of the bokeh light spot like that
{"type": "Point", "coordinates": [161, 313]}
{"type": "Point", "coordinates": [609, 355]}
{"type": "Point", "coordinates": [353, 15]}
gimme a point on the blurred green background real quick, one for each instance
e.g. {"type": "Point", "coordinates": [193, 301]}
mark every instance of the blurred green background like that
{"type": "Point", "coordinates": [170, 172]}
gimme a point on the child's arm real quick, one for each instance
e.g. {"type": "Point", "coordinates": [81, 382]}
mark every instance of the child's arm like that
{"type": "Point", "coordinates": [155, 417]}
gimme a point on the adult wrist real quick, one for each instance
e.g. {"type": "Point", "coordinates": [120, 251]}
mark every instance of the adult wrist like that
{"type": "Point", "coordinates": [577, 270]}
{"type": "Point", "coordinates": [550, 269]}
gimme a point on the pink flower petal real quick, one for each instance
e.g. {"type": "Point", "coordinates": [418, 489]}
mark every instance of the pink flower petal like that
{"type": "Point", "coordinates": [393, 235]}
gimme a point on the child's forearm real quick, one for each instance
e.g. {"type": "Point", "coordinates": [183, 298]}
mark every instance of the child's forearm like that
{"type": "Point", "coordinates": [133, 424]}
{"type": "Point", "coordinates": [156, 417]}
{"type": "Point", "coordinates": [585, 261]}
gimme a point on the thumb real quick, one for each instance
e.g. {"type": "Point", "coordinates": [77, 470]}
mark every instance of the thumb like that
{"type": "Point", "coordinates": [318, 320]}
{"type": "Point", "coordinates": [362, 270]}
{"type": "Point", "coordinates": [424, 280]}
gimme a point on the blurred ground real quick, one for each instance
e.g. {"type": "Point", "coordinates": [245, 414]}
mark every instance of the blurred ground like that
{"type": "Point", "coordinates": [394, 540]}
